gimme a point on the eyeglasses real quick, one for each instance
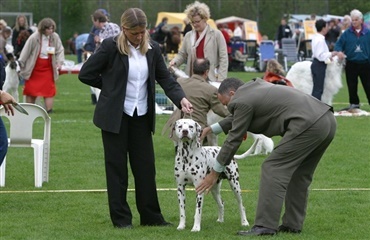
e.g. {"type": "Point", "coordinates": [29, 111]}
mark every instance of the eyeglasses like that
{"type": "Point", "coordinates": [196, 22]}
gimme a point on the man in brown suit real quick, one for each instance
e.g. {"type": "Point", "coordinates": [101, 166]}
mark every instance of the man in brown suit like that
{"type": "Point", "coordinates": [307, 127]}
{"type": "Point", "coordinates": [201, 94]}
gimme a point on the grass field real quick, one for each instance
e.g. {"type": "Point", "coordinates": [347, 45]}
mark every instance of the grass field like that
{"type": "Point", "coordinates": [73, 204]}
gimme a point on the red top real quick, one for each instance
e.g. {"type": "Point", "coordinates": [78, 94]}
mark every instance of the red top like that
{"type": "Point", "coordinates": [200, 48]}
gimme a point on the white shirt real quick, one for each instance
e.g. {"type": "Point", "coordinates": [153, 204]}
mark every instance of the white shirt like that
{"type": "Point", "coordinates": [320, 49]}
{"type": "Point", "coordinates": [238, 32]}
{"type": "Point", "coordinates": [137, 84]}
{"type": "Point", "coordinates": [44, 46]}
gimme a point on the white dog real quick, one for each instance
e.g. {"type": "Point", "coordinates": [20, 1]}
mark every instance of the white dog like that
{"type": "Point", "coordinates": [192, 163]}
{"type": "Point", "coordinates": [11, 82]}
{"type": "Point", "coordinates": [301, 77]}
{"type": "Point", "coordinates": [261, 145]}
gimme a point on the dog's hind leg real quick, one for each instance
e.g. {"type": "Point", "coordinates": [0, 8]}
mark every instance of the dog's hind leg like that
{"type": "Point", "coordinates": [235, 187]}
{"type": "Point", "coordinates": [198, 213]}
{"type": "Point", "coordinates": [216, 193]}
{"type": "Point", "coordinates": [181, 198]}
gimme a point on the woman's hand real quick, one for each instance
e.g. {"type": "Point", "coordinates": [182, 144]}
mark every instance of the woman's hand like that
{"type": "Point", "coordinates": [7, 100]}
{"type": "Point", "coordinates": [186, 106]}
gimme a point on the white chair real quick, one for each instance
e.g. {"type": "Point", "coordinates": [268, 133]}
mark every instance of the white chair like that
{"type": "Point", "coordinates": [20, 135]}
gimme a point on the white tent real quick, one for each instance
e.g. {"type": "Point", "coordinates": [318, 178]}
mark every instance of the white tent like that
{"type": "Point", "coordinates": [250, 26]}
{"type": "Point", "coordinates": [230, 21]}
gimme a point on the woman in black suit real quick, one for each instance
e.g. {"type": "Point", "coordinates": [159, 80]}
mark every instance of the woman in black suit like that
{"type": "Point", "coordinates": [125, 68]}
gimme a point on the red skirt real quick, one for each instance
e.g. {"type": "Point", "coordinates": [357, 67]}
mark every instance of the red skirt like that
{"type": "Point", "coordinates": [41, 83]}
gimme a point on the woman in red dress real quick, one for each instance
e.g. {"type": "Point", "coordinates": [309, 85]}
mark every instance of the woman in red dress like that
{"type": "Point", "coordinates": [40, 59]}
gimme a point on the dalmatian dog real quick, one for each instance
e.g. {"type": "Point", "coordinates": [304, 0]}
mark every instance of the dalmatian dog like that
{"type": "Point", "coordinates": [192, 163]}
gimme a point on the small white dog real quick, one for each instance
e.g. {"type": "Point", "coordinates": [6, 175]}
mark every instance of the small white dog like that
{"type": "Point", "coordinates": [11, 82]}
{"type": "Point", "coordinates": [192, 163]}
{"type": "Point", "coordinates": [261, 145]}
{"type": "Point", "coordinates": [301, 77]}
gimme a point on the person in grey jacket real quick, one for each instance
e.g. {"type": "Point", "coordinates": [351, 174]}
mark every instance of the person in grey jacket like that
{"type": "Point", "coordinates": [307, 127]}
{"type": "Point", "coordinates": [126, 69]}
{"type": "Point", "coordinates": [40, 59]}
{"type": "Point", "coordinates": [203, 42]}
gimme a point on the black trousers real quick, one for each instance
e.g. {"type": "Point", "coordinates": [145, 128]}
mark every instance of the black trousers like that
{"type": "Point", "coordinates": [134, 144]}
{"type": "Point", "coordinates": [353, 72]}
{"type": "Point", "coordinates": [318, 70]}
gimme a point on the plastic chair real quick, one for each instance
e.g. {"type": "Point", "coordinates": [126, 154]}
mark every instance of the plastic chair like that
{"type": "Point", "coordinates": [266, 52]}
{"type": "Point", "coordinates": [20, 135]}
{"type": "Point", "coordinates": [290, 53]}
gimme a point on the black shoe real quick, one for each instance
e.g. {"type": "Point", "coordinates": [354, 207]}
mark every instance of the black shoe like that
{"type": "Point", "coordinates": [49, 111]}
{"type": "Point", "coordinates": [286, 229]}
{"type": "Point", "coordinates": [124, 226]}
{"type": "Point", "coordinates": [258, 231]}
{"type": "Point", "coordinates": [350, 107]}
{"type": "Point", "coordinates": [160, 224]}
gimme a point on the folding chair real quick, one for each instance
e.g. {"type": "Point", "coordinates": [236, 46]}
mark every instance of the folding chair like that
{"type": "Point", "coordinates": [20, 135]}
{"type": "Point", "coordinates": [290, 53]}
{"type": "Point", "coordinates": [266, 52]}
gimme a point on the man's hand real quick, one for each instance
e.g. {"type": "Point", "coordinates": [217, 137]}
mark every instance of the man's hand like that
{"type": "Point", "coordinates": [207, 183]}
{"type": "Point", "coordinates": [205, 132]}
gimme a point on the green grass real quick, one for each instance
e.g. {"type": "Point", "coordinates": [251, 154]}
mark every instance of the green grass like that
{"type": "Point", "coordinates": [337, 208]}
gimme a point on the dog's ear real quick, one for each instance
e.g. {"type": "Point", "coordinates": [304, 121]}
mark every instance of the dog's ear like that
{"type": "Point", "coordinates": [198, 128]}
{"type": "Point", "coordinates": [172, 129]}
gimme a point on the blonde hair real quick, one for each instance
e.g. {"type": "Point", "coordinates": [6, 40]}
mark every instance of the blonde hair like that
{"type": "Point", "coordinates": [17, 26]}
{"type": "Point", "coordinates": [274, 66]}
{"type": "Point", "coordinates": [132, 18]}
{"type": "Point", "coordinates": [198, 9]}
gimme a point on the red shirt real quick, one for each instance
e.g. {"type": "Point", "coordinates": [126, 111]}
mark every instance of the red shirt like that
{"type": "Point", "coordinates": [200, 48]}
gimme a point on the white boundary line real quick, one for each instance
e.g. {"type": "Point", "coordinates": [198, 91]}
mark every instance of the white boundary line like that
{"type": "Point", "coordinates": [162, 189]}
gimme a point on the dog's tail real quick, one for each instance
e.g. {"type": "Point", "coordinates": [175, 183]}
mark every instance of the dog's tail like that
{"type": "Point", "coordinates": [249, 151]}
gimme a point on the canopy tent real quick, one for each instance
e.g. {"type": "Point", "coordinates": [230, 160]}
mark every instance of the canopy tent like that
{"type": "Point", "coordinates": [177, 19]}
{"type": "Point", "coordinates": [230, 21]}
{"type": "Point", "coordinates": [249, 26]}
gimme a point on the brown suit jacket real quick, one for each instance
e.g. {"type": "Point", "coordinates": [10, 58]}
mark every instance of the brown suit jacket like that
{"type": "Point", "coordinates": [203, 97]}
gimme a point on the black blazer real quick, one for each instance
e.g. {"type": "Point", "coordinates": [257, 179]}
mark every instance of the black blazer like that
{"type": "Point", "coordinates": [107, 69]}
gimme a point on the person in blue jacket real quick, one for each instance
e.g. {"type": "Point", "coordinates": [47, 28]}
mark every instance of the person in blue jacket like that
{"type": "Point", "coordinates": [355, 44]}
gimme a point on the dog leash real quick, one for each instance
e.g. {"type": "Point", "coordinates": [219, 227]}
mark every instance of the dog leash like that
{"type": "Point", "coordinates": [184, 114]}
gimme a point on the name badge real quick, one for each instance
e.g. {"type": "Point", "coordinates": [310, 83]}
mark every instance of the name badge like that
{"type": "Point", "coordinates": [50, 50]}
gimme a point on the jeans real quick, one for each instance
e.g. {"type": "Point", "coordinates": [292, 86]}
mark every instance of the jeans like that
{"type": "Point", "coordinates": [3, 141]}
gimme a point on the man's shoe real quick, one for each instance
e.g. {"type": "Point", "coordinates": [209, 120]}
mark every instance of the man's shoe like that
{"type": "Point", "coordinates": [161, 224]}
{"type": "Point", "coordinates": [124, 226]}
{"type": "Point", "coordinates": [286, 229]}
{"type": "Point", "coordinates": [257, 231]}
{"type": "Point", "coordinates": [351, 106]}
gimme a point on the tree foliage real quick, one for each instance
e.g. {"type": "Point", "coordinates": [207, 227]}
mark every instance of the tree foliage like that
{"type": "Point", "coordinates": [75, 15]}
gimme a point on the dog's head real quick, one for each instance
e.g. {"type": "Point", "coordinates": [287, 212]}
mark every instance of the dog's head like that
{"type": "Point", "coordinates": [187, 130]}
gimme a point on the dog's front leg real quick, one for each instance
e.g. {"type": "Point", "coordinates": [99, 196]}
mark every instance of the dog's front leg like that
{"type": "Point", "coordinates": [181, 197]}
{"type": "Point", "coordinates": [198, 213]}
